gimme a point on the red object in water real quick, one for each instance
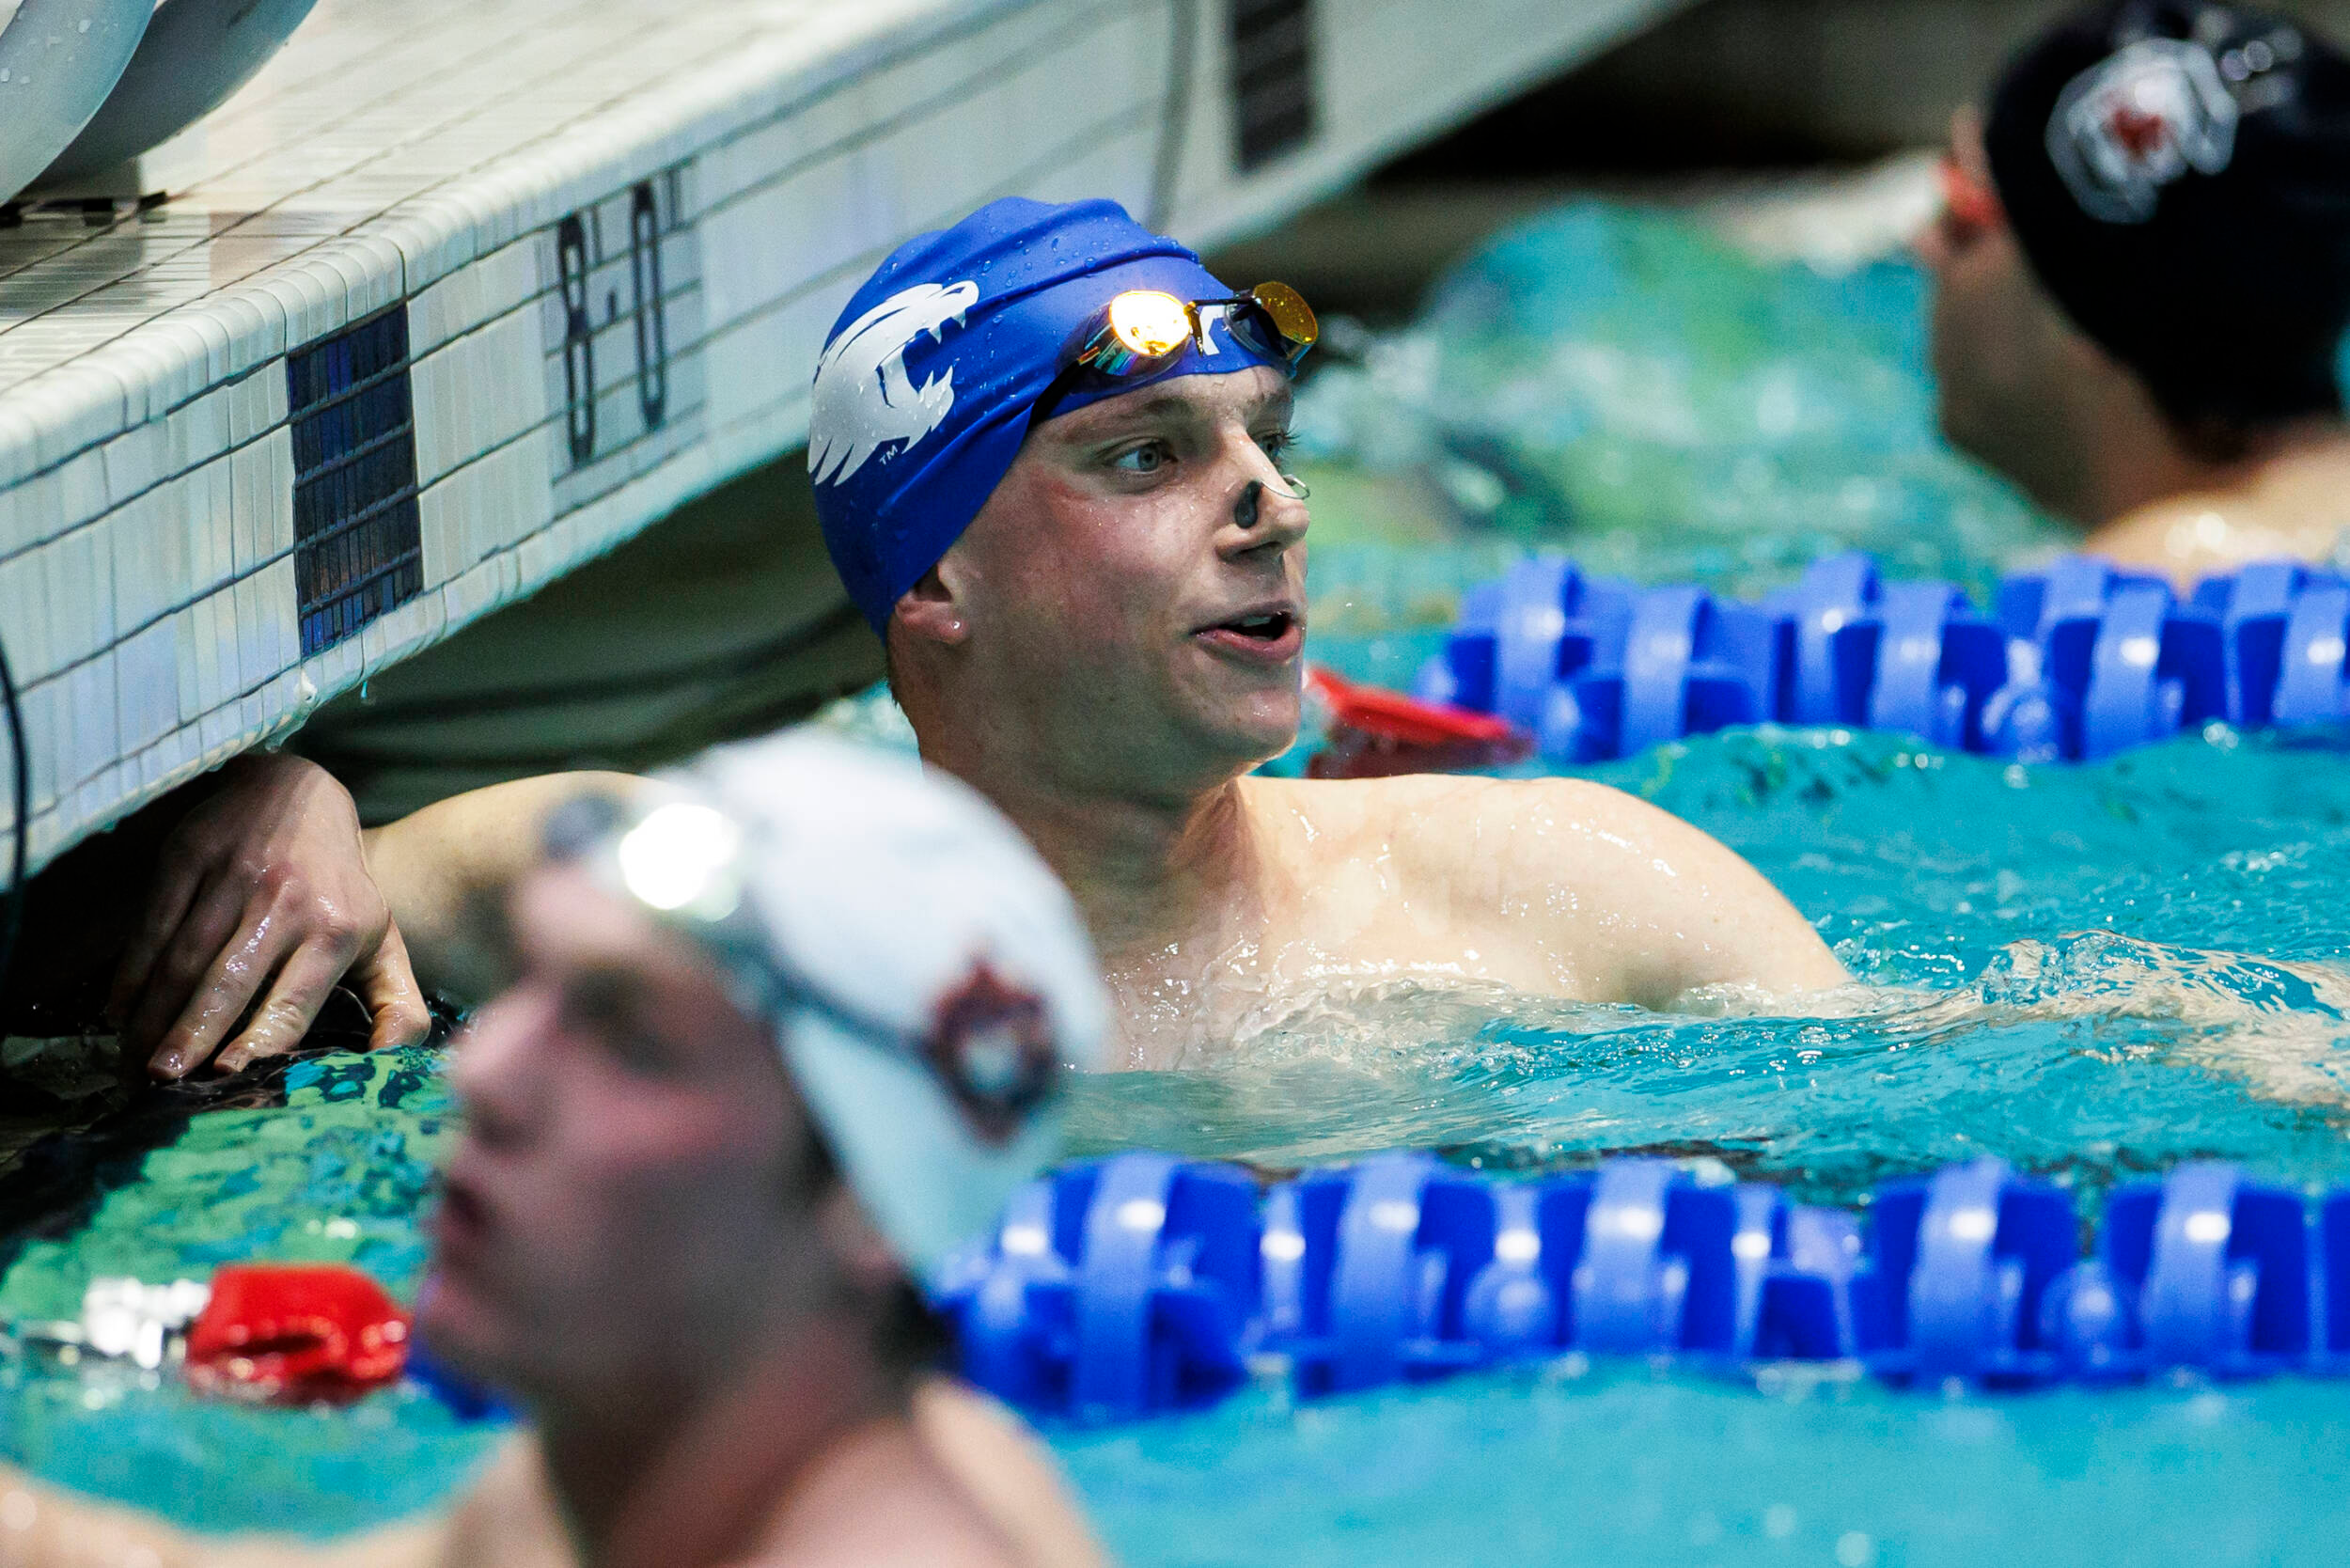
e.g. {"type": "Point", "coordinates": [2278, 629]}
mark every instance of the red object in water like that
{"type": "Point", "coordinates": [296, 1332]}
{"type": "Point", "coordinates": [1378, 734]}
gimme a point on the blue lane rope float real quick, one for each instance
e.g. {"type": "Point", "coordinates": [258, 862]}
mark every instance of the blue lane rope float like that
{"type": "Point", "coordinates": [1145, 1285]}
{"type": "Point", "coordinates": [2076, 662]}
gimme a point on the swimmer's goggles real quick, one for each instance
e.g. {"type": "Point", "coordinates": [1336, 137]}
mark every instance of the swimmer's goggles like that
{"type": "Point", "coordinates": [684, 862]}
{"type": "Point", "coordinates": [1143, 332]}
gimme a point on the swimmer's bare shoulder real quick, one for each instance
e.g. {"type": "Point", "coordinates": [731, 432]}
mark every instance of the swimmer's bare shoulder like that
{"type": "Point", "coordinates": [2287, 505]}
{"type": "Point", "coordinates": [508, 1520]}
{"type": "Point", "coordinates": [2188, 536]}
{"type": "Point", "coordinates": [998, 1462]}
{"type": "Point", "coordinates": [959, 1486]}
{"type": "Point", "coordinates": [1568, 886]}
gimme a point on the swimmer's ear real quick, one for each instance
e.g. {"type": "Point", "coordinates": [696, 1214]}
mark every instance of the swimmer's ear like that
{"type": "Point", "coordinates": [931, 611]}
{"type": "Point", "coordinates": [1970, 147]}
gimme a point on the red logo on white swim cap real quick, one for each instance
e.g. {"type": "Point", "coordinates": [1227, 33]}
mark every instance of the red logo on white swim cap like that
{"type": "Point", "coordinates": [2129, 127]}
{"type": "Point", "coordinates": [992, 1045]}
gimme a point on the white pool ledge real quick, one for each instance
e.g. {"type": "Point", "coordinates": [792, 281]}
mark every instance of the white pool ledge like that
{"type": "Point", "coordinates": [494, 192]}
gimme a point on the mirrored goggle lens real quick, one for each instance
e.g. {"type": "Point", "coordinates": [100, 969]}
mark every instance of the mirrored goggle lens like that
{"type": "Point", "coordinates": [1144, 328]}
{"type": "Point", "coordinates": [1273, 319]}
{"type": "Point", "coordinates": [1292, 317]}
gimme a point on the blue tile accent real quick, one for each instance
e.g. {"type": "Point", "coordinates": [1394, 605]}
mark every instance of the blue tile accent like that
{"type": "Point", "coordinates": [359, 540]}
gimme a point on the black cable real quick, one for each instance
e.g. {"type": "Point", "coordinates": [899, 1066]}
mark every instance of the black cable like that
{"type": "Point", "coordinates": [20, 773]}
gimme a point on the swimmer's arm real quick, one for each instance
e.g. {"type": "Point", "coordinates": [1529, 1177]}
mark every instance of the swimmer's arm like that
{"type": "Point", "coordinates": [441, 867]}
{"type": "Point", "coordinates": [1651, 907]}
{"type": "Point", "coordinates": [43, 1528]}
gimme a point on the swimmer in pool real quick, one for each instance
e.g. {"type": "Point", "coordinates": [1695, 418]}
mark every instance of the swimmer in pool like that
{"type": "Point", "coordinates": [2142, 278]}
{"type": "Point", "coordinates": [1046, 446]}
{"type": "Point", "coordinates": [784, 1027]}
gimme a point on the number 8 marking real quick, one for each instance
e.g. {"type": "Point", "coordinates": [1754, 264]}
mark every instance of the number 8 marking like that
{"type": "Point", "coordinates": [579, 341]}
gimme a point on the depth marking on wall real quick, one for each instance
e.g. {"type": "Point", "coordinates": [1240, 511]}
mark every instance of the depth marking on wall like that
{"type": "Point", "coordinates": [621, 294]}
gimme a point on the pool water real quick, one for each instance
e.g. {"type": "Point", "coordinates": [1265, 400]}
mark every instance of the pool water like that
{"type": "Point", "coordinates": [1621, 1466]}
{"type": "Point", "coordinates": [339, 1173]}
{"type": "Point", "coordinates": [1629, 388]}
{"type": "Point", "coordinates": [2094, 971]}
{"type": "Point", "coordinates": [2064, 958]}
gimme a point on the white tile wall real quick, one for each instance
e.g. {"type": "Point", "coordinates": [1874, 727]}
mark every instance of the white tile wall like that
{"type": "Point", "coordinates": [147, 525]}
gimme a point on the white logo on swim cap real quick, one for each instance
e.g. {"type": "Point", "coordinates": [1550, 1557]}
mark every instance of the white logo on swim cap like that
{"type": "Point", "coordinates": [2126, 129]}
{"type": "Point", "coordinates": [863, 399]}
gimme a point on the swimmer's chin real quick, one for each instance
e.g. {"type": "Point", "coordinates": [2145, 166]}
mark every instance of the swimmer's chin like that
{"type": "Point", "coordinates": [461, 1331]}
{"type": "Point", "coordinates": [1249, 731]}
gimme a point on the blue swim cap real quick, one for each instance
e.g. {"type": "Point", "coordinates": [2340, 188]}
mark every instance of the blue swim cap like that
{"type": "Point", "coordinates": [924, 391]}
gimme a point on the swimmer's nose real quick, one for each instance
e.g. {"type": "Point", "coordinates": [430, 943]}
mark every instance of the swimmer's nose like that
{"type": "Point", "coordinates": [1268, 513]}
{"type": "Point", "coordinates": [491, 1068]}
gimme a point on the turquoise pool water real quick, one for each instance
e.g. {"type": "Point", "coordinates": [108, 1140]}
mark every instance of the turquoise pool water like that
{"type": "Point", "coordinates": [2095, 971]}
{"type": "Point", "coordinates": [340, 1173]}
{"type": "Point", "coordinates": [1621, 1468]}
{"type": "Point", "coordinates": [2067, 976]}
{"type": "Point", "coordinates": [1626, 386]}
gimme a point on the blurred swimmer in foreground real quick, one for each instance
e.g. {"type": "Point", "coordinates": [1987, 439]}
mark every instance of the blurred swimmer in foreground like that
{"type": "Point", "coordinates": [2143, 279]}
{"type": "Point", "coordinates": [784, 1027]}
{"type": "Point", "coordinates": [1046, 446]}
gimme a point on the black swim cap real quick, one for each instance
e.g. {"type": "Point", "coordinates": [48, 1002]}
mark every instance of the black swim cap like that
{"type": "Point", "coordinates": [2178, 175]}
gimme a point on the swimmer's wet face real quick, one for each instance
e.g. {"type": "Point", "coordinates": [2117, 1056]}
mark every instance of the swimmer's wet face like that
{"type": "Point", "coordinates": [632, 1196]}
{"type": "Point", "coordinates": [1140, 573]}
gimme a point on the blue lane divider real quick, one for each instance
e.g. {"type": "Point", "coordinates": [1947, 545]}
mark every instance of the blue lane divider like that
{"type": "Point", "coordinates": [1143, 1284]}
{"type": "Point", "coordinates": [466, 1400]}
{"type": "Point", "coordinates": [2081, 660]}
{"type": "Point", "coordinates": [1114, 1289]}
{"type": "Point", "coordinates": [1959, 1265]}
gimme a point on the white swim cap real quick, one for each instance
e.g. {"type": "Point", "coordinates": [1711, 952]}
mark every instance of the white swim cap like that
{"type": "Point", "coordinates": [930, 977]}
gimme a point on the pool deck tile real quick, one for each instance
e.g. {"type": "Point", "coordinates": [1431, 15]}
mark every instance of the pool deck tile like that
{"type": "Point", "coordinates": [145, 461]}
